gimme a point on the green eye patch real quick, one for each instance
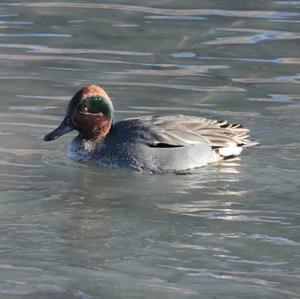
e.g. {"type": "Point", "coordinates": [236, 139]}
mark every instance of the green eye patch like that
{"type": "Point", "coordinates": [97, 104]}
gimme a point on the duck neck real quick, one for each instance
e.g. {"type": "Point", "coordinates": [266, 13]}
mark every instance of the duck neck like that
{"type": "Point", "coordinates": [102, 131]}
{"type": "Point", "coordinates": [96, 130]}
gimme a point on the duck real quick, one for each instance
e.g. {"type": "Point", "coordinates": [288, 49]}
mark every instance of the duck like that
{"type": "Point", "coordinates": [146, 144]}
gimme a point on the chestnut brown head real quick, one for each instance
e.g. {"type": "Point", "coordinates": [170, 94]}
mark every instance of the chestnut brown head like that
{"type": "Point", "coordinates": [90, 112]}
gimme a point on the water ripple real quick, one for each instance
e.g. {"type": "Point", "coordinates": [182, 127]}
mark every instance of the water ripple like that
{"type": "Point", "coordinates": [224, 88]}
{"type": "Point", "coordinates": [89, 51]}
{"type": "Point", "coordinates": [43, 34]}
{"type": "Point", "coordinates": [199, 247]}
{"type": "Point", "coordinates": [273, 240]}
{"type": "Point", "coordinates": [177, 18]}
{"type": "Point", "coordinates": [245, 278]}
{"type": "Point", "coordinates": [30, 125]}
{"type": "Point", "coordinates": [276, 98]}
{"type": "Point", "coordinates": [24, 152]}
{"type": "Point", "coordinates": [276, 80]}
{"type": "Point", "coordinates": [288, 2]}
{"type": "Point", "coordinates": [9, 164]}
{"type": "Point", "coordinates": [161, 11]}
{"type": "Point", "coordinates": [259, 36]}
{"type": "Point", "coordinates": [6, 15]}
{"type": "Point", "coordinates": [14, 115]}
{"type": "Point", "coordinates": [16, 23]}
{"type": "Point", "coordinates": [183, 71]}
{"type": "Point", "coordinates": [21, 288]}
{"type": "Point", "coordinates": [216, 210]}
{"type": "Point", "coordinates": [281, 60]}
{"type": "Point", "coordinates": [63, 98]}
{"type": "Point", "coordinates": [30, 108]}
{"type": "Point", "coordinates": [47, 50]}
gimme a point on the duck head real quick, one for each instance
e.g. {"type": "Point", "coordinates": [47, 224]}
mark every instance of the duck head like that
{"type": "Point", "coordinates": [90, 112]}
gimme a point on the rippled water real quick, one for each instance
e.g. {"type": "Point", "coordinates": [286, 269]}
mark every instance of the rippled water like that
{"type": "Point", "coordinates": [223, 231]}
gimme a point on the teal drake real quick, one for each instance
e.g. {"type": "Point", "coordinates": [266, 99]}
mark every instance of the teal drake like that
{"type": "Point", "coordinates": [148, 144]}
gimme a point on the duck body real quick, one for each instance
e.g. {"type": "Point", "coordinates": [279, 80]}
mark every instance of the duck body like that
{"type": "Point", "coordinates": [149, 144]}
{"type": "Point", "coordinates": [134, 145]}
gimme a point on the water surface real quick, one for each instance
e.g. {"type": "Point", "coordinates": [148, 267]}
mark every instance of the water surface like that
{"type": "Point", "coordinates": [223, 231]}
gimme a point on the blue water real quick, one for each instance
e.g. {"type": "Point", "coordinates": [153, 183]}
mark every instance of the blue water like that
{"type": "Point", "coordinates": [223, 231]}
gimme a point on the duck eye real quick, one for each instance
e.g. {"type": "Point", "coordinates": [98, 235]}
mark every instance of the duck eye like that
{"type": "Point", "coordinates": [83, 108]}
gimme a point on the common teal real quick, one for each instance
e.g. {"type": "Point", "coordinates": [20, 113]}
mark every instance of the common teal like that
{"type": "Point", "coordinates": [148, 144]}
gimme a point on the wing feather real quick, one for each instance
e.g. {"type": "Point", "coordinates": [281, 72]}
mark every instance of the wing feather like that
{"type": "Point", "coordinates": [181, 130]}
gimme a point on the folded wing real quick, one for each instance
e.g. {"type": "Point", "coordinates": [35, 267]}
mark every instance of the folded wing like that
{"type": "Point", "coordinates": [181, 130]}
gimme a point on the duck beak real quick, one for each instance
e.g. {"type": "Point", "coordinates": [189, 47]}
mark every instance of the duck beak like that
{"type": "Point", "coordinates": [64, 128]}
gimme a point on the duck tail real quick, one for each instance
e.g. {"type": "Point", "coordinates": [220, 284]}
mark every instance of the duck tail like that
{"type": "Point", "coordinates": [237, 138]}
{"type": "Point", "coordinates": [250, 143]}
